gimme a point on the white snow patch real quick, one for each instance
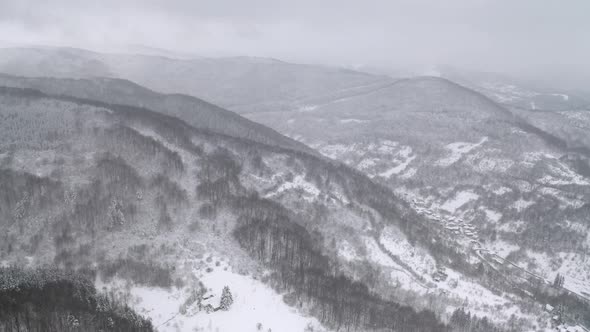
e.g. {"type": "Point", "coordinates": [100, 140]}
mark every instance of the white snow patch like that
{"type": "Point", "coordinates": [502, 190]}
{"type": "Point", "coordinates": [334, 151]}
{"type": "Point", "coordinates": [377, 255]}
{"type": "Point", "coordinates": [457, 150]}
{"type": "Point", "coordinates": [309, 190]}
{"type": "Point", "coordinates": [399, 276]}
{"type": "Point", "coordinates": [461, 198]}
{"type": "Point", "coordinates": [409, 173]}
{"type": "Point", "coordinates": [521, 204]}
{"type": "Point", "coordinates": [503, 248]}
{"type": "Point", "coordinates": [254, 302]}
{"type": "Point", "coordinates": [481, 300]}
{"type": "Point", "coordinates": [367, 163]}
{"type": "Point", "coordinates": [403, 159]}
{"type": "Point", "coordinates": [346, 251]}
{"type": "Point", "coordinates": [418, 259]}
{"type": "Point", "coordinates": [492, 215]}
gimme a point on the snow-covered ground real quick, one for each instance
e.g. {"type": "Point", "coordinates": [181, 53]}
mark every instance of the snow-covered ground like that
{"type": "Point", "coordinates": [492, 215]}
{"type": "Point", "coordinates": [502, 248]}
{"type": "Point", "coordinates": [502, 190]}
{"type": "Point", "coordinates": [384, 158]}
{"type": "Point", "coordinates": [461, 198]}
{"type": "Point", "coordinates": [335, 151]}
{"type": "Point", "coordinates": [521, 204]}
{"type": "Point", "coordinates": [403, 158]}
{"type": "Point", "coordinates": [480, 300]}
{"type": "Point", "coordinates": [574, 268]}
{"type": "Point", "coordinates": [457, 150]}
{"type": "Point", "coordinates": [253, 303]}
{"type": "Point", "coordinates": [561, 174]}
{"type": "Point", "coordinates": [399, 275]}
{"type": "Point", "coordinates": [418, 259]}
{"type": "Point", "coordinates": [308, 190]}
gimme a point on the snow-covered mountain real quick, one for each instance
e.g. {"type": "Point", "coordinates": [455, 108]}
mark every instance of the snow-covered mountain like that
{"type": "Point", "coordinates": [166, 214]}
{"type": "Point", "coordinates": [439, 202]}
{"type": "Point", "coordinates": [518, 93]}
{"type": "Point", "coordinates": [196, 112]}
{"type": "Point", "coordinates": [497, 179]}
{"type": "Point", "coordinates": [241, 84]}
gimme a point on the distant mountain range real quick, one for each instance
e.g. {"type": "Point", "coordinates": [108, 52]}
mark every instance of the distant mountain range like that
{"type": "Point", "coordinates": [242, 84]}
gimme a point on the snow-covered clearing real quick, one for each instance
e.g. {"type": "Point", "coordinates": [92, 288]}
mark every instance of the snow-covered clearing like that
{"type": "Point", "coordinates": [385, 147]}
{"type": "Point", "coordinates": [481, 163]}
{"type": "Point", "coordinates": [335, 151]}
{"type": "Point", "coordinates": [418, 259]}
{"type": "Point", "coordinates": [461, 198]}
{"type": "Point", "coordinates": [309, 191]}
{"type": "Point", "coordinates": [574, 268]}
{"type": "Point", "coordinates": [502, 190]}
{"type": "Point", "coordinates": [346, 251]}
{"type": "Point", "coordinates": [503, 248]}
{"type": "Point", "coordinates": [480, 300]}
{"type": "Point", "coordinates": [458, 150]}
{"type": "Point", "coordinates": [492, 215]}
{"type": "Point", "coordinates": [521, 204]}
{"type": "Point", "coordinates": [409, 173]}
{"type": "Point", "coordinates": [399, 276]}
{"type": "Point", "coordinates": [403, 159]}
{"type": "Point", "coordinates": [367, 163]}
{"type": "Point", "coordinates": [254, 303]}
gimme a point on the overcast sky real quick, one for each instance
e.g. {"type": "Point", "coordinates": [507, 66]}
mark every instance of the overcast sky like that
{"type": "Point", "coordinates": [500, 35]}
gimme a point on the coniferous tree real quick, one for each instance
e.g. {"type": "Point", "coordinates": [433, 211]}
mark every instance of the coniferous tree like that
{"type": "Point", "coordinates": [226, 299]}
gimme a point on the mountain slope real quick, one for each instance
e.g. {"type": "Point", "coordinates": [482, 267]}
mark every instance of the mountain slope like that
{"type": "Point", "coordinates": [241, 84]}
{"type": "Point", "coordinates": [194, 111]}
{"type": "Point", "coordinates": [144, 192]}
{"type": "Point", "coordinates": [492, 178]}
{"type": "Point", "coordinates": [49, 299]}
{"type": "Point", "coordinates": [131, 193]}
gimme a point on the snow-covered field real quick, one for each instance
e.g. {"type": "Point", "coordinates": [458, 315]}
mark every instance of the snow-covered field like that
{"type": "Point", "coordinates": [254, 303]}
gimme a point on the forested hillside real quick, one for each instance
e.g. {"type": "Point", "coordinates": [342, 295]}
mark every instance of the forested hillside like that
{"type": "Point", "coordinates": [54, 300]}
{"type": "Point", "coordinates": [109, 173]}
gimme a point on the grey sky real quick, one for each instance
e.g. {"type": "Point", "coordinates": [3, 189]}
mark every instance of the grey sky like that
{"type": "Point", "coordinates": [501, 35]}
